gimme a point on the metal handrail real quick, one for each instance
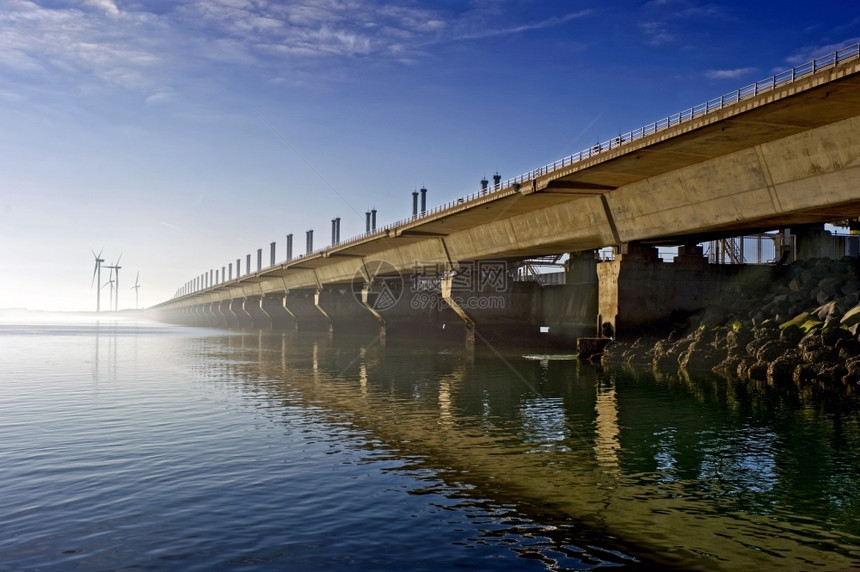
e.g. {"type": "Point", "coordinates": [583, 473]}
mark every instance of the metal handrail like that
{"type": "Point", "coordinates": [712, 105]}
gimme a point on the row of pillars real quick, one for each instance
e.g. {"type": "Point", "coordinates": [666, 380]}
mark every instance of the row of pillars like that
{"type": "Point", "coordinates": [214, 277]}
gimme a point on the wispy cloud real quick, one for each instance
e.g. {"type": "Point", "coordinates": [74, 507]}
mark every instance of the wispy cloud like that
{"type": "Point", "coordinates": [662, 17]}
{"type": "Point", "coordinates": [526, 27]}
{"type": "Point", "coordinates": [126, 45]}
{"type": "Point", "coordinates": [729, 74]}
{"type": "Point", "coordinates": [810, 53]}
{"type": "Point", "coordinates": [656, 33]}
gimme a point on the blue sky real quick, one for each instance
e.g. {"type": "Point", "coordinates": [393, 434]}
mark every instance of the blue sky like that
{"type": "Point", "coordinates": [185, 134]}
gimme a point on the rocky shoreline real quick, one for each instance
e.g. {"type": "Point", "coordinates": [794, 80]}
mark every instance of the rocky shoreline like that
{"type": "Point", "coordinates": [794, 324]}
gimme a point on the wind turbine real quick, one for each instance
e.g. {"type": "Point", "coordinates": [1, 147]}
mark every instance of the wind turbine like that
{"type": "Point", "coordinates": [115, 269]}
{"type": "Point", "coordinates": [97, 274]}
{"type": "Point", "coordinates": [110, 281]}
{"type": "Point", "coordinates": [136, 289]}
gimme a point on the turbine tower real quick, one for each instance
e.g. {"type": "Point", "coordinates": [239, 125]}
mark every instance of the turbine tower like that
{"type": "Point", "coordinates": [114, 288]}
{"type": "Point", "coordinates": [97, 277]}
{"type": "Point", "coordinates": [110, 281]}
{"type": "Point", "coordinates": [136, 289]}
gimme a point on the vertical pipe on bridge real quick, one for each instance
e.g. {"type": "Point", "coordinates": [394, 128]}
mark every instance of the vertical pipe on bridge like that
{"type": "Point", "coordinates": [423, 200]}
{"type": "Point", "coordinates": [309, 241]}
{"type": "Point", "coordinates": [373, 219]}
{"type": "Point", "coordinates": [335, 231]}
{"type": "Point", "coordinates": [238, 267]}
{"type": "Point", "coordinates": [289, 246]}
{"type": "Point", "coordinates": [414, 203]}
{"type": "Point", "coordinates": [272, 253]}
{"type": "Point", "coordinates": [230, 271]}
{"type": "Point", "coordinates": [259, 259]}
{"type": "Point", "coordinates": [247, 264]}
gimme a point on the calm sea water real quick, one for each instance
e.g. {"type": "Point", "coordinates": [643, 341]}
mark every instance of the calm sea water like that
{"type": "Point", "coordinates": [141, 446]}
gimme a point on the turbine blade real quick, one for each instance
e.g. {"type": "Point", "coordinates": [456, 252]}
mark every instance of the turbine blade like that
{"type": "Point", "coordinates": [95, 269]}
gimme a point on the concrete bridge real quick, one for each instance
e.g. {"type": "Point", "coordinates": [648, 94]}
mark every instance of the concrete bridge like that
{"type": "Point", "coordinates": [783, 153]}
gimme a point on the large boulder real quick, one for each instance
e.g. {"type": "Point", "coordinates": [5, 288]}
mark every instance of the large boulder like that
{"type": "Point", "coordinates": [781, 370]}
{"type": "Point", "coordinates": [851, 317]}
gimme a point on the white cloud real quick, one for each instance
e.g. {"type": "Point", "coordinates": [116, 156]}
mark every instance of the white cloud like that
{"type": "Point", "coordinates": [526, 27]}
{"type": "Point", "coordinates": [109, 6]}
{"type": "Point", "coordinates": [729, 74]}
{"type": "Point", "coordinates": [77, 43]}
{"type": "Point", "coordinates": [161, 96]}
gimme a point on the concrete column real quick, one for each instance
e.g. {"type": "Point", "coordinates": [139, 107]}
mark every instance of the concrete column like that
{"type": "Point", "coordinates": [259, 259]}
{"type": "Point", "coordinates": [619, 305]}
{"type": "Point", "coordinates": [309, 241]}
{"type": "Point", "coordinates": [289, 247]}
{"type": "Point", "coordinates": [323, 312]}
{"type": "Point", "coordinates": [365, 301]}
{"type": "Point", "coordinates": [812, 241]}
{"type": "Point", "coordinates": [230, 271]}
{"type": "Point", "coordinates": [247, 264]}
{"type": "Point", "coordinates": [230, 313]}
{"type": "Point", "coordinates": [288, 311]}
{"type": "Point", "coordinates": [266, 322]}
{"type": "Point", "coordinates": [272, 254]}
{"type": "Point", "coordinates": [447, 284]}
{"type": "Point", "coordinates": [581, 268]}
{"type": "Point", "coordinates": [238, 267]}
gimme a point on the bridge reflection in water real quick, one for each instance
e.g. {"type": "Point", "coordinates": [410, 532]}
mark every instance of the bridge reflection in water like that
{"type": "Point", "coordinates": [697, 473]}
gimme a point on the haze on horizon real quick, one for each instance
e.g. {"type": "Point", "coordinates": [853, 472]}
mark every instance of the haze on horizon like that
{"type": "Point", "coordinates": [184, 135]}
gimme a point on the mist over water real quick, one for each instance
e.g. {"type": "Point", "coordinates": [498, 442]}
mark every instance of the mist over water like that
{"type": "Point", "coordinates": [135, 444]}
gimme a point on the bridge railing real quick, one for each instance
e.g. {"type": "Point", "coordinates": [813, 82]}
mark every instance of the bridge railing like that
{"type": "Point", "coordinates": [788, 76]}
{"type": "Point", "coordinates": [801, 71]}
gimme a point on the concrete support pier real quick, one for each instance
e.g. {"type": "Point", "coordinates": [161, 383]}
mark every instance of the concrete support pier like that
{"type": "Point", "coordinates": [325, 314]}
{"type": "Point", "coordinates": [447, 285]}
{"type": "Point", "coordinates": [365, 300]}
